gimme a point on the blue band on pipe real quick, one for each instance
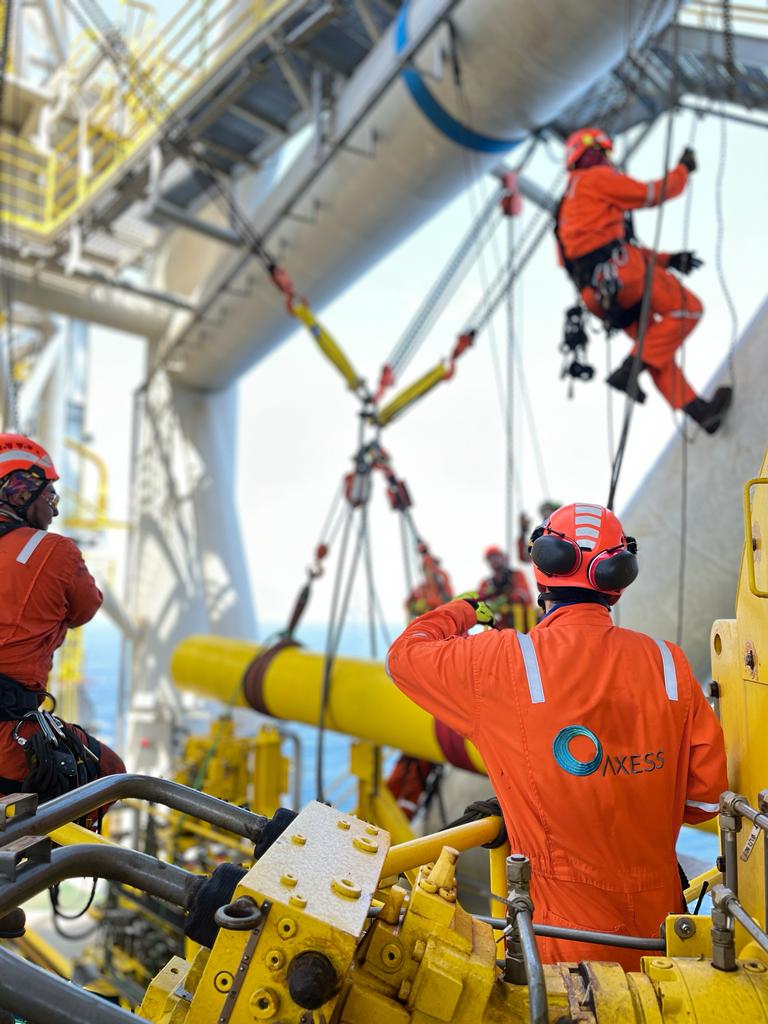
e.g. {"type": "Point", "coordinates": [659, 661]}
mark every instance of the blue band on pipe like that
{"type": "Point", "coordinates": [436, 114]}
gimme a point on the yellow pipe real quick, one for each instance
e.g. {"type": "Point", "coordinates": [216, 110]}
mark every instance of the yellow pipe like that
{"type": "Point", "coordinates": [426, 849]}
{"type": "Point", "coordinates": [70, 835]}
{"type": "Point", "coordinates": [363, 701]}
{"type": "Point", "coordinates": [497, 859]}
{"type": "Point", "coordinates": [713, 876]}
{"type": "Point", "coordinates": [34, 948]}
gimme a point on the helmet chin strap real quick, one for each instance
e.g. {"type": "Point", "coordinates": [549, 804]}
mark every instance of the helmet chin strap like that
{"type": "Point", "coordinates": [20, 511]}
{"type": "Point", "coordinates": [574, 595]}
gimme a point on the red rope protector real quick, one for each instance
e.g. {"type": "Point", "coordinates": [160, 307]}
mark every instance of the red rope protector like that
{"type": "Point", "coordinates": [511, 202]}
{"type": "Point", "coordinates": [282, 281]}
{"type": "Point", "coordinates": [463, 342]}
{"type": "Point", "coordinates": [386, 380]}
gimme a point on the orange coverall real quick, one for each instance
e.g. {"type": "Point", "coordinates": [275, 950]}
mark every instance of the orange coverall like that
{"type": "Point", "coordinates": [591, 216]}
{"type": "Point", "coordinates": [599, 744]}
{"type": "Point", "coordinates": [45, 589]}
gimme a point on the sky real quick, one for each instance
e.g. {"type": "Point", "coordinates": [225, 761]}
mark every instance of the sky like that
{"type": "Point", "coordinates": [298, 424]}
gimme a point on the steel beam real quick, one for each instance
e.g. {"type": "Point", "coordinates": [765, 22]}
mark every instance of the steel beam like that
{"type": "Point", "coordinates": [265, 124]}
{"type": "Point", "coordinates": [177, 215]}
{"type": "Point", "coordinates": [31, 390]}
{"type": "Point", "coordinates": [365, 16]}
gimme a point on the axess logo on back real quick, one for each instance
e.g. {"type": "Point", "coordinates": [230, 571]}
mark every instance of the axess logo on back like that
{"type": "Point", "coordinates": [604, 763]}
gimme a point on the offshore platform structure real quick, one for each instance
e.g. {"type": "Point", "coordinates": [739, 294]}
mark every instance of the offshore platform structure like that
{"type": "Point", "coordinates": [144, 168]}
{"type": "Point", "coordinates": [155, 179]}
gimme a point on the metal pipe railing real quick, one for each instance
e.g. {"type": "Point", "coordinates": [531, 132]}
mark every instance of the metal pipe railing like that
{"type": "Point", "coordinates": [38, 997]}
{"type": "Point", "coordinates": [550, 931]}
{"type": "Point", "coordinates": [165, 881]}
{"type": "Point", "coordinates": [724, 899]}
{"type": "Point", "coordinates": [538, 1011]}
{"type": "Point", "coordinates": [79, 802]}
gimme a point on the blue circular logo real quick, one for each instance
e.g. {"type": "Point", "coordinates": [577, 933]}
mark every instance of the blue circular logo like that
{"type": "Point", "coordinates": [564, 757]}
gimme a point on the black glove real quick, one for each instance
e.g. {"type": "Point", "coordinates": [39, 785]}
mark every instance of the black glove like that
{"type": "Point", "coordinates": [688, 159]}
{"type": "Point", "coordinates": [685, 262]}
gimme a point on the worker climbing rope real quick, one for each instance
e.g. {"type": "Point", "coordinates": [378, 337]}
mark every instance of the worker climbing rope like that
{"type": "Point", "coordinates": [598, 741]}
{"type": "Point", "coordinates": [46, 589]}
{"type": "Point", "coordinates": [610, 270]}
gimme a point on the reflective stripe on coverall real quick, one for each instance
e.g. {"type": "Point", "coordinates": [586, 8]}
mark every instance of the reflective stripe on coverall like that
{"type": "Point", "coordinates": [599, 744]}
{"type": "Point", "coordinates": [591, 216]}
{"type": "Point", "coordinates": [45, 589]}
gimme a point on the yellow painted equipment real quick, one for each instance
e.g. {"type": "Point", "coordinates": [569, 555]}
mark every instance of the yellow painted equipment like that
{"type": "Point", "coordinates": [739, 650]}
{"type": "Point", "coordinates": [249, 771]}
{"type": "Point", "coordinates": [319, 931]}
{"type": "Point", "coordinates": [423, 959]}
{"type": "Point", "coordinates": [363, 700]}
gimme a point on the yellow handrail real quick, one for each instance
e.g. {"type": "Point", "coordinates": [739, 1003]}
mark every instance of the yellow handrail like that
{"type": "Point", "coordinates": [162, 72]}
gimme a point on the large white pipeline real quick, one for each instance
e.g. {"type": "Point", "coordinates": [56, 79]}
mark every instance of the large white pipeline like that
{"type": "Point", "coordinates": [521, 63]}
{"type": "Point", "coordinates": [718, 468]}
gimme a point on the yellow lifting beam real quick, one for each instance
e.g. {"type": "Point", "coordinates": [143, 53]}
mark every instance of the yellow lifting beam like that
{"type": "Point", "coordinates": [327, 345]}
{"type": "Point", "coordinates": [411, 394]}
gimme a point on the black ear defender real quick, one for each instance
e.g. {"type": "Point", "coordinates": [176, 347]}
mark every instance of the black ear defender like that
{"type": "Point", "coordinates": [554, 555]}
{"type": "Point", "coordinates": [615, 571]}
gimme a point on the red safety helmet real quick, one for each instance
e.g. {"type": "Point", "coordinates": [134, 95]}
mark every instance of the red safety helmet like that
{"type": "Point", "coordinates": [585, 546]}
{"type": "Point", "coordinates": [578, 142]}
{"type": "Point", "coordinates": [19, 452]}
{"type": "Point", "coordinates": [493, 551]}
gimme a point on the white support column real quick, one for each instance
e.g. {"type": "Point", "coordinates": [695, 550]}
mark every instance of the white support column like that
{"type": "Point", "coordinates": [187, 573]}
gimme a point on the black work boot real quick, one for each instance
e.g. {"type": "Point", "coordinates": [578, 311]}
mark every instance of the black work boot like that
{"type": "Point", "coordinates": [710, 414]}
{"type": "Point", "coordinates": [12, 924]}
{"type": "Point", "coordinates": [619, 379]}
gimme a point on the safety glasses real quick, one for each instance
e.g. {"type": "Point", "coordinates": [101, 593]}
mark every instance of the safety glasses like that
{"type": "Point", "coordinates": [52, 498]}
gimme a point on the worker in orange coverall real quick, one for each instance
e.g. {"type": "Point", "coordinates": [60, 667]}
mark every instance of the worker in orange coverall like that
{"type": "Point", "coordinates": [598, 741]}
{"type": "Point", "coordinates": [45, 589]}
{"type": "Point", "coordinates": [504, 588]}
{"type": "Point", "coordinates": [610, 272]}
{"type": "Point", "coordinates": [434, 590]}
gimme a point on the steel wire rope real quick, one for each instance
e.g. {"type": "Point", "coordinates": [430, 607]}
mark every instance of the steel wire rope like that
{"type": "Point", "coordinates": [423, 320]}
{"type": "Point", "coordinates": [623, 108]}
{"type": "Point", "coordinates": [330, 653]}
{"type": "Point", "coordinates": [645, 309]}
{"type": "Point", "coordinates": [472, 180]}
{"type": "Point", "coordinates": [471, 185]}
{"type": "Point", "coordinates": [8, 367]}
{"type": "Point", "coordinates": [685, 438]}
{"type": "Point", "coordinates": [719, 249]}
{"type": "Point", "coordinates": [370, 589]}
{"type": "Point", "coordinates": [510, 410]}
{"type": "Point", "coordinates": [407, 565]}
{"type": "Point", "coordinates": [532, 426]}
